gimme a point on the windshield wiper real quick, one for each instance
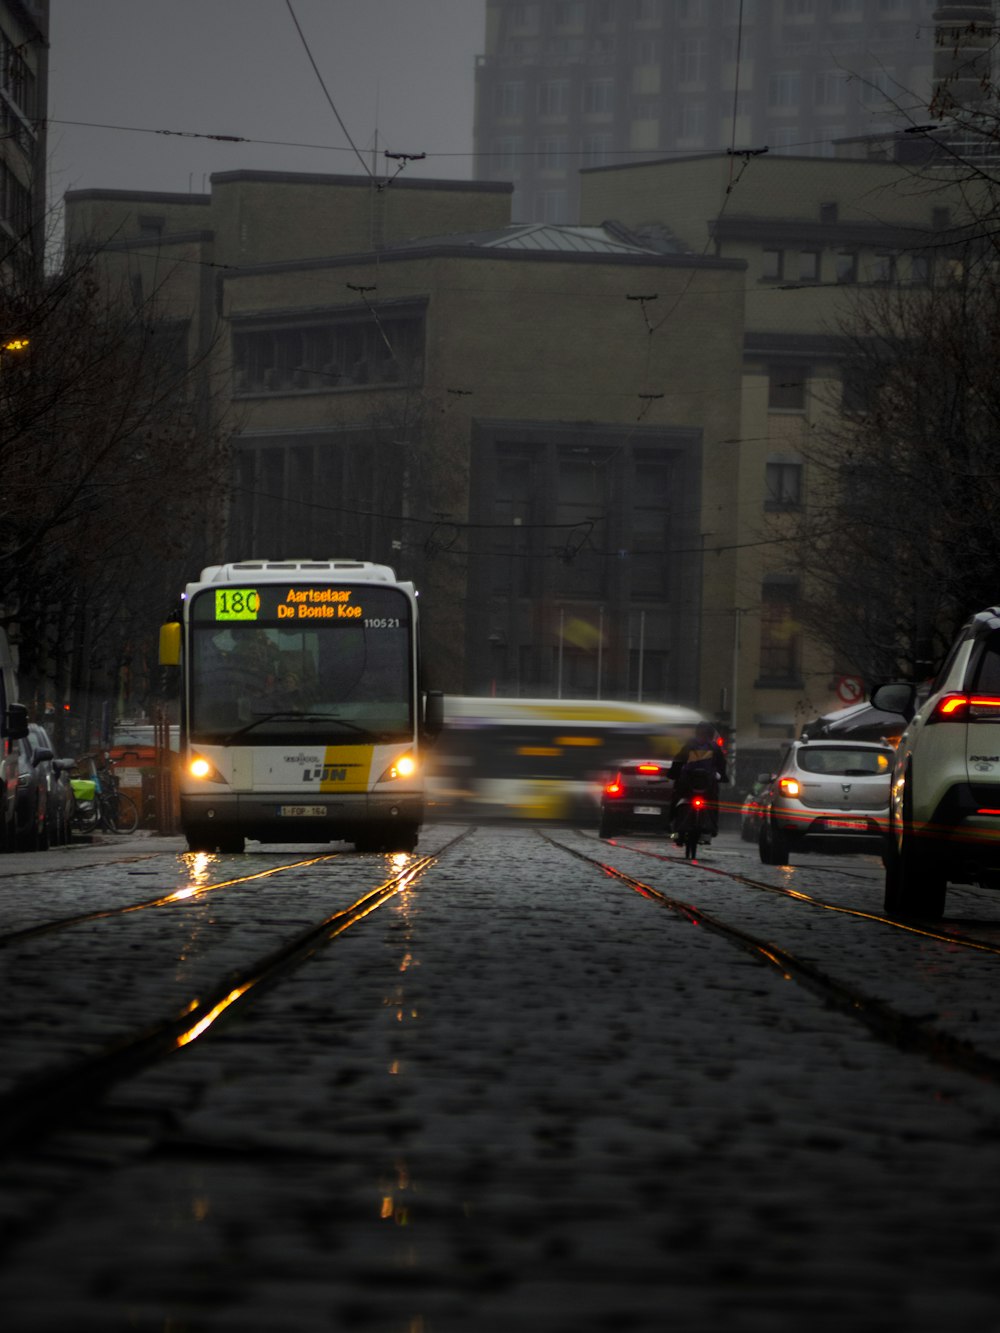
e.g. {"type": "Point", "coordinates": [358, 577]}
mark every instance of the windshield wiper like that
{"type": "Point", "coordinates": [299, 717]}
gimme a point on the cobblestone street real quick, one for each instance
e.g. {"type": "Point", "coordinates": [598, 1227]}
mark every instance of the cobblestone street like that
{"type": "Point", "coordinates": [520, 1093]}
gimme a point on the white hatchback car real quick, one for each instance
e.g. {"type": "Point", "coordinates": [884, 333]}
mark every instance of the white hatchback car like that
{"type": "Point", "coordinates": [828, 795]}
{"type": "Point", "coordinates": [944, 811]}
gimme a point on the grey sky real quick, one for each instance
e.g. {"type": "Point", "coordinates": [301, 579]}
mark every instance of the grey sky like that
{"type": "Point", "coordinates": [400, 73]}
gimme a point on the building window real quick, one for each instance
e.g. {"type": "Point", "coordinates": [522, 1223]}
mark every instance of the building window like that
{"type": "Point", "coordinates": [783, 89]}
{"type": "Point", "coordinates": [599, 97]}
{"type": "Point", "coordinates": [506, 154]}
{"type": "Point", "coordinates": [780, 633]}
{"type": "Point", "coordinates": [553, 153]}
{"type": "Point", "coordinates": [597, 149]}
{"type": "Point", "coordinates": [882, 269]}
{"type": "Point", "coordinates": [568, 14]}
{"type": "Point", "coordinates": [787, 388]}
{"type": "Point", "coordinates": [733, 11]}
{"type": "Point", "coordinates": [552, 206]}
{"type": "Point", "coordinates": [785, 138]}
{"type": "Point", "coordinates": [690, 60]}
{"type": "Point", "coordinates": [508, 99]}
{"type": "Point", "coordinates": [809, 269]}
{"type": "Point", "coordinates": [655, 491]}
{"type": "Point", "coordinates": [878, 87]}
{"type": "Point", "coordinates": [783, 485]}
{"type": "Point", "coordinates": [920, 271]}
{"type": "Point", "coordinates": [845, 265]}
{"type": "Point", "coordinates": [646, 108]}
{"type": "Point", "coordinates": [553, 97]}
{"type": "Point", "coordinates": [321, 356]}
{"type": "Point", "coordinates": [831, 88]}
{"type": "Point", "coordinates": [581, 497]}
{"type": "Point", "coordinates": [691, 120]}
{"type": "Point", "coordinates": [772, 265]}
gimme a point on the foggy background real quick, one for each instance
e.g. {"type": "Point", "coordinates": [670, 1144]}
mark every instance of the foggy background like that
{"type": "Point", "coordinates": [400, 73]}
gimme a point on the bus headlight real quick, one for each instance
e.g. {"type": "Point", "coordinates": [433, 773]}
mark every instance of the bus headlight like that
{"type": "Point", "coordinates": [203, 769]}
{"type": "Point", "coordinates": [403, 767]}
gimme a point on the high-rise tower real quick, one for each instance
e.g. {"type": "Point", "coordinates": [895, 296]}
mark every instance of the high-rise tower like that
{"type": "Point", "coordinates": [565, 84]}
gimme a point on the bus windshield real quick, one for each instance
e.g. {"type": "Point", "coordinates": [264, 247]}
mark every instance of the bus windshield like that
{"type": "Point", "coordinates": [266, 677]}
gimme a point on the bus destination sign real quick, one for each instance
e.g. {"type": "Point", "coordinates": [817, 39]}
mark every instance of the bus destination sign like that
{"type": "Point", "coordinates": [307, 603]}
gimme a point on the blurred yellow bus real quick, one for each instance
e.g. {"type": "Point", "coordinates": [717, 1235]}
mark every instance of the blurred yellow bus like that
{"type": "Point", "coordinates": [542, 759]}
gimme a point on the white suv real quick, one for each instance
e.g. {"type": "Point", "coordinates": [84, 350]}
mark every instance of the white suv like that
{"type": "Point", "coordinates": [828, 795]}
{"type": "Point", "coordinates": [944, 809]}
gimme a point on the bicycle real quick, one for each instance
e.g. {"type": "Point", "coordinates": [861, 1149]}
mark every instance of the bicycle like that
{"type": "Point", "coordinates": [101, 804]}
{"type": "Point", "coordinates": [116, 811]}
{"type": "Point", "coordinates": [692, 816]}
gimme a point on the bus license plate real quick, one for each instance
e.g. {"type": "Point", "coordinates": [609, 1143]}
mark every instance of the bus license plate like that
{"type": "Point", "coordinates": [647, 810]}
{"type": "Point", "coordinates": [295, 811]}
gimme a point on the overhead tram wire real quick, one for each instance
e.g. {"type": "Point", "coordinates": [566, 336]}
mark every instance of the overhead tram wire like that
{"type": "Point", "coordinates": [326, 93]}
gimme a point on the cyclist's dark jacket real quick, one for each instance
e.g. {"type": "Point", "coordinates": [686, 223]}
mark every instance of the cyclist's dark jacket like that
{"type": "Point", "coordinates": [698, 757]}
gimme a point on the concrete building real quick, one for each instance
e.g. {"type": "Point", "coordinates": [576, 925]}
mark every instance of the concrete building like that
{"type": "Point", "coordinates": [508, 415]}
{"type": "Point", "coordinates": [813, 235]}
{"type": "Point", "coordinates": [24, 29]}
{"type": "Point", "coordinates": [565, 84]}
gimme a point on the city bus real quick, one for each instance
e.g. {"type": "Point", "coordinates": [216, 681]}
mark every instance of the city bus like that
{"type": "Point", "coordinates": [303, 717]}
{"type": "Point", "coordinates": [543, 759]}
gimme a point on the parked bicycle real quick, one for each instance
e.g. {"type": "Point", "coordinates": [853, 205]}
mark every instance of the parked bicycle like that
{"type": "Point", "coordinates": [100, 802]}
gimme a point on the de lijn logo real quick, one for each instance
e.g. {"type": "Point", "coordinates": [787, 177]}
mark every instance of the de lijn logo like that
{"type": "Point", "coordinates": [327, 773]}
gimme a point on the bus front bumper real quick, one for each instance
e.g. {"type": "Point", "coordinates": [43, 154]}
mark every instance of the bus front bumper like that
{"type": "Point", "coordinates": [271, 817]}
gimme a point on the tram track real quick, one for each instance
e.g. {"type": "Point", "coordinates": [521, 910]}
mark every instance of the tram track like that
{"type": "Point", "coordinates": [173, 897]}
{"type": "Point", "coordinates": [44, 1102]}
{"type": "Point", "coordinates": [912, 1034]}
{"type": "Point", "coordinates": [807, 899]}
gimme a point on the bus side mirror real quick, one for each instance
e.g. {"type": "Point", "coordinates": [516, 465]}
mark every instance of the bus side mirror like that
{"type": "Point", "coordinates": [15, 723]}
{"type": "Point", "coordinates": [170, 644]}
{"type": "Point", "coordinates": [433, 713]}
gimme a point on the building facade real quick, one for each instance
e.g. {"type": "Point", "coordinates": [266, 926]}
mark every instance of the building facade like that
{"type": "Point", "coordinates": [568, 84]}
{"type": "Point", "coordinates": [472, 407]}
{"type": "Point", "coordinates": [815, 235]}
{"type": "Point", "coordinates": [24, 29]}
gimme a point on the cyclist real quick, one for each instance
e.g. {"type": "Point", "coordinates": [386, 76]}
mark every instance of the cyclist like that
{"type": "Point", "coordinates": [700, 765]}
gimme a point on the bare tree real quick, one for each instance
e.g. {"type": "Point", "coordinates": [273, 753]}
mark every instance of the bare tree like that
{"type": "Point", "coordinates": [110, 473]}
{"type": "Point", "coordinates": [900, 543]}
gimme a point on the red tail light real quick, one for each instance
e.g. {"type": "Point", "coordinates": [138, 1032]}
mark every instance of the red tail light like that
{"type": "Point", "coordinates": [649, 768]}
{"type": "Point", "coordinates": [698, 802]}
{"type": "Point", "coordinates": [965, 708]}
{"type": "Point", "coordinates": [614, 788]}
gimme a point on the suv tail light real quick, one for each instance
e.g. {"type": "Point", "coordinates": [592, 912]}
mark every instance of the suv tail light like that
{"type": "Point", "coordinates": [966, 708]}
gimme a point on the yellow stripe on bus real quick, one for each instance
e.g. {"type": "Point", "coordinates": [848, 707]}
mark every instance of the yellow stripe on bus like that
{"type": "Point", "coordinates": [347, 768]}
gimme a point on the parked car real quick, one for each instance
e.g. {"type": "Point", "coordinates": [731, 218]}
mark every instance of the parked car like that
{"type": "Point", "coordinates": [827, 795]}
{"type": "Point", "coordinates": [13, 725]}
{"type": "Point", "coordinates": [59, 799]}
{"type": "Point", "coordinates": [637, 799]}
{"type": "Point", "coordinates": [34, 781]}
{"type": "Point", "coordinates": [944, 812]}
{"type": "Point", "coordinates": [752, 807]}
